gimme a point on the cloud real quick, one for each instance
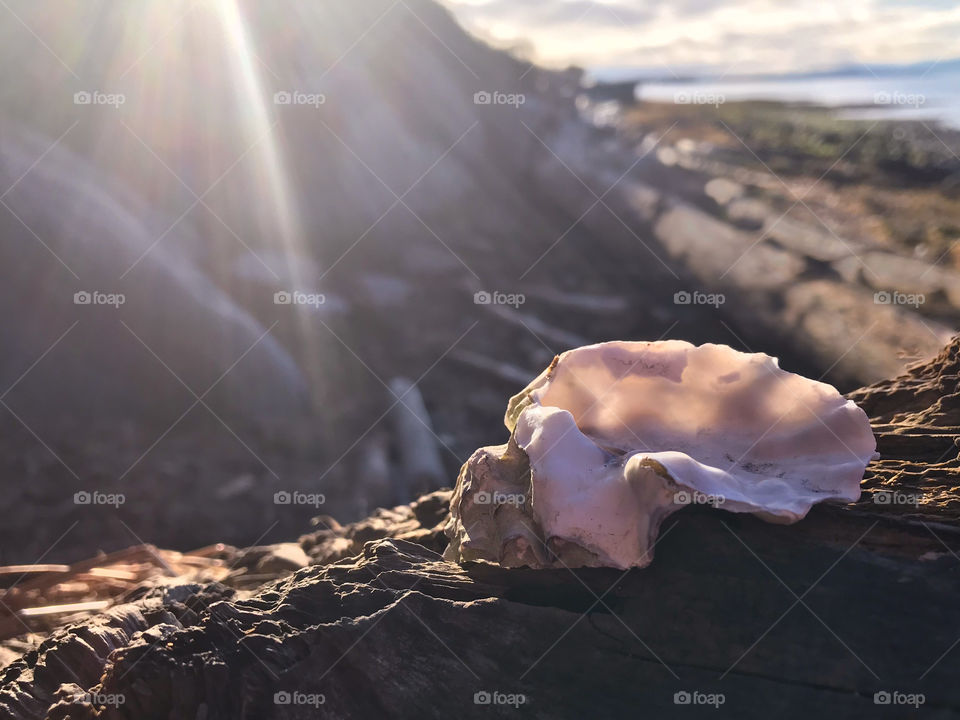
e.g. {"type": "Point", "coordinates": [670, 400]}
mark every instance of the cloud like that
{"type": "Point", "coordinates": [539, 13]}
{"type": "Point", "coordinates": [752, 35]}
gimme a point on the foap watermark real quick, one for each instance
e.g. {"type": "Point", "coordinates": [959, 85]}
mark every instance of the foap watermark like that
{"type": "Point", "coordinates": [499, 98]}
{"type": "Point", "coordinates": [483, 297]}
{"type": "Point", "coordinates": [95, 497]}
{"type": "Point", "coordinates": [898, 298]}
{"type": "Point", "coordinates": [695, 697]}
{"type": "Point", "coordinates": [695, 497]}
{"type": "Point", "coordinates": [296, 97]}
{"type": "Point", "coordinates": [98, 699]}
{"type": "Point", "coordinates": [895, 497]}
{"type": "Point", "coordinates": [914, 100]}
{"type": "Point", "coordinates": [499, 498]}
{"type": "Point", "coordinates": [84, 97]}
{"type": "Point", "coordinates": [96, 297]}
{"type": "Point", "coordinates": [299, 298]}
{"type": "Point", "coordinates": [295, 497]}
{"type": "Point", "coordinates": [698, 97]}
{"type": "Point", "coordinates": [299, 698]}
{"type": "Point", "coordinates": [495, 697]}
{"type": "Point", "coordinates": [699, 298]}
{"type": "Point", "coordinates": [894, 697]}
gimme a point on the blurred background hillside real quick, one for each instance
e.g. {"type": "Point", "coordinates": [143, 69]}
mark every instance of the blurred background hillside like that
{"type": "Point", "coordinates": [263, 262]}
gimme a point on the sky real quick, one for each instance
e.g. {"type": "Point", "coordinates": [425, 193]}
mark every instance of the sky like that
{"type": "Point", "coordinates": [733, 37]}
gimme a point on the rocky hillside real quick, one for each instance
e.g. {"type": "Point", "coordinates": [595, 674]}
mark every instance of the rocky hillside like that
{"type": "Point", "coordinates": [387, 192]}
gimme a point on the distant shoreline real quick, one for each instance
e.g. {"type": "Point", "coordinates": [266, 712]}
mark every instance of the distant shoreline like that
{"type": "Point", "coordinates": [934, 97]}
{"type": "Point", "coordinates": [860, 70]}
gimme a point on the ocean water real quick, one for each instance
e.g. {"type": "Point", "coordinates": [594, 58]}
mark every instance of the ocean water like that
{"type": "Point", "coordinates": [931, 96]}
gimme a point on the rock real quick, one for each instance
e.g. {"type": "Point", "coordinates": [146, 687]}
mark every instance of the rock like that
{"type": "Point", "coordinates": [834, 317]}
{"type": "Point", "coordinates": [935, 288]}
{"type": "Point", "coordinates": [415, 443]}
{"type": "Point", "coordinates": [77, 655]}
{"type": "Point", "coordinates": [790, 290]}
{"type": "Point", "coordinates": [748, 213]}
{"type": "Point", "coordinates": [644, 199]}
{"type": "Point", "coordinates": [916, 418]}
{"type": "Point", "coordinates": [101, 230]}
{"type": "Point", "coordinates": [722, 190]}
{"type": "Point", "coordinates": [714, 250]}
{"type": "Point", "coordinates": [667, 155]}
{"type": "Point", "coordinates": [374, 466]}
{"type": "Point", "coordinates": [421, 521]}
{"type": "Point", "coordinates": [802, 620]}
{"type": "Point", "coordinates": [276, 559]}
{"type": "Point", "coordinates": [809, 239]}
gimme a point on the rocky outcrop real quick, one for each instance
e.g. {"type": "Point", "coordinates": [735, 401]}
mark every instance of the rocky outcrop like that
{"type": "Point", "coordinates": [793, 248]}
{"type": "Point", "coordinates": [73, 233]}
{"type": "Point", "coordinates": [853, 606]}
{"type": "Point", "coordinates": [916, 418]}
{"type": "Point", "coordinates": [827, 294]}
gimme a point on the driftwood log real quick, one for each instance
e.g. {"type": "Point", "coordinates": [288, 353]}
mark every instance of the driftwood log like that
{"type": "Point", "coordinates": [834, 616]}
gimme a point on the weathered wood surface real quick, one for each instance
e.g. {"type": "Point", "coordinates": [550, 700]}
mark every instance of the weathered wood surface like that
{"type": "Point", "coordinates": [783, 621]}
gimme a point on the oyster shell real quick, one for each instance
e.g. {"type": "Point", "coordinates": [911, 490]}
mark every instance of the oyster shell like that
{"type": "Point", "coordinates": [612, 438]}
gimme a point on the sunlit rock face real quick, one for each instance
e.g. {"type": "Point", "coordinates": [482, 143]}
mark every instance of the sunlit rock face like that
{"type": "Point", "coordinates": [73, 232]}
{"type": "Point", "coordinates": [612, 438]}
{"type": "Point", "coordinates": [294, 197]}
